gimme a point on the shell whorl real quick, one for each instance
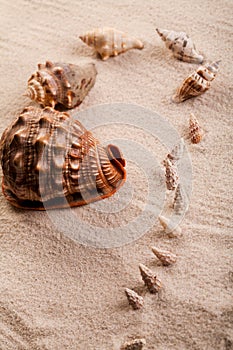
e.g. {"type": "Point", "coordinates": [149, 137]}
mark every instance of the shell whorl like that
{"type": "Point", "coordinates": [49, 157]}
{"type": "Point", "coordinates": [61, 83]}
{"type": "Point", "coordinates": [197, 82]}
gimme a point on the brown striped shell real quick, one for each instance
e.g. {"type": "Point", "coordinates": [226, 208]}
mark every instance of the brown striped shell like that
{"type": "Point", "coordinates": [49, 158]}
{"type": "Point", "coordinates": [61, 83]}
{"type": "Point", "coordinates": [196, 83]}
{"type": "Point", "coordinates": [110, 42]}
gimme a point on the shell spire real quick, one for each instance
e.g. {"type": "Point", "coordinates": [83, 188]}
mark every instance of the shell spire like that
{"type": "Point", "coordinates": [181, 46]}
{"type": "Point", "coordinates": [195, 130]}
{"type": "Point", "coordinates": [135, 300]}
{"type": "Point", "coordinates": [171, 175]}
{"type": "Point", "coordinates": [110, 42]}
{"type": "Point", "coordinates": [150, 279]}
{"type": "Point", "coordinates": [49, 160]}
{"type": "Point", "coordinates": [180, 201]}
{"type": "Point", "coordinates": [61, 83]}
{"type": "Point", "coordinates": [136, 344]}
{"type": "Point", "coordinates": [177, 152]}
{"type": "Point", "coordinates": [166, 257]}
{"type": "Point", "coordinates": [197, 82]}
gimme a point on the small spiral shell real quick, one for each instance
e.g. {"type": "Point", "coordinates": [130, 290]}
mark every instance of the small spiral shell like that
{"type": "Point", "coordinates": [195, 130]}
{"type": "Point", "coordinates": [110, 42]}
{"type": "Point", "coordinates": [196, 83]}
{"type": "Point", "coordinates": [171, 175]}
{"type": "Point", "coordinates": [61, 83]}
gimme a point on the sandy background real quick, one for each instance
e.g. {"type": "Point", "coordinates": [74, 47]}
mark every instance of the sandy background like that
{"type": "Point", "coordinates": [56, 294]}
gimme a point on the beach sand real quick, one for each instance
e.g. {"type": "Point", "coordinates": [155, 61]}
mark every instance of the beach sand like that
{"type": "Point", "coordinates": [56, 293]}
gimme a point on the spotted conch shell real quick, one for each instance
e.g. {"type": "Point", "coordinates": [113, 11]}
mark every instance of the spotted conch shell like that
{"type": "Point", "coordinates": [49, 159]}
{"type": "Point", "coordinates": [195, 130]}
{"type": "Point", "coordinates": [196, 83]}
{"type": "Point", "coordinates": [181, 45]}
{"type": "Point", "coordinates": [110, 42]}
{"type": "Point", "coordinates": [61, 83]}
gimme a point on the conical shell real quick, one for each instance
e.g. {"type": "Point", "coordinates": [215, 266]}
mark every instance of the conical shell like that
{"type": "Point", "coordinates": [195, 130]}
{"type": "Point", "coordinates": [169, 228]}
{"type": "Point", "coordinates": [180, 201]}
{"type": "Point", "coordinates": [196, 83]}
{"type": "Point", "coordinates": [150, 279]}
{"type": "Point", "coordinates": [136, 344]}
{"type": "Point", "coordinates": [61, 83]}
{"type": "Point", "coordinates": [181, 45]}
{"type": "Point", "coordinates": [171, 175]}
{"type": "Point", "coordinates": [110, 42]}
{"type": "Point", "coordinates": [135, 300]}
{"type": "Point", "coordinates": [176, 153]}
{"type": "Point", "coordinates": [49, 158]}
{"type": "Point", "coordinates": [166, 257]}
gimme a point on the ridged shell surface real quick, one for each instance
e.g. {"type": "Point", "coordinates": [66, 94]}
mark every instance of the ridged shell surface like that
{"type": "Point", "coordinates": [181, 45]}
{"type": "Point", "coordinates": [48, 157]}
{"type": "Point", "coordinates": [196, 83]}
{"type": "Point", "coordinates": [110, 42]}
{"type": "Point", "coordinates": [61, 83]}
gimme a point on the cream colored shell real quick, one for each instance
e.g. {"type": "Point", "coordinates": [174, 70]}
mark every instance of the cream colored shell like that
{"type": "Point", "coordinates": [181, 45]}
{"type": "Point", "coordinates": [195, 130]}
{"type": "Point", "coordinates": [110, 42]}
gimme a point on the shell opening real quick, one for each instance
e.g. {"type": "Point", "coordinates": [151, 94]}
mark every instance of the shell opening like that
{"type": "Point", "coordinates": [114, 154]}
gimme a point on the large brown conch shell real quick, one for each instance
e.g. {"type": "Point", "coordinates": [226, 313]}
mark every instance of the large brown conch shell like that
{"type": "Point", "coordinates": [61, 83]}
{"type": "Point", "coordinates": [181, 45]}
{"type": "Point", "coordinates": [110, 42]}
{"type": "Point", "coordinates": [49, 158]}
{"type": "Point", "coordinates": [196, 83]}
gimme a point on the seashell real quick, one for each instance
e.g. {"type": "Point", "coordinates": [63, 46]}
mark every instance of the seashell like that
{"type": "Point", "coordinates": [150, 279]}
{"type": "Point", "coordinates": [136, 344]}
{"type": "Point", "coordinates": [195, 130]}
{"type": "Point", "coordinates": [66, 84]}
{"type": "Point", "coordinates": [135, 300]}
{"type": "Point", "coordinates": [110, 42]}
{"type": "Point", "coordinates": [171, 175]}
{"type": "Point", "coordinates": [166, 257]}
{"type": "Point", "coordinates": [176, 153]}
{"type": "Point", "coordinates": [49, 158]}
{"type": "Point", "coordinates": [169, 228]}
{"type": "Point", "coordinates": [180, 200]}
{"type": "Point", "coordinates": [197, 82]}
{"type": "Point", "coordinates": [181, 46]}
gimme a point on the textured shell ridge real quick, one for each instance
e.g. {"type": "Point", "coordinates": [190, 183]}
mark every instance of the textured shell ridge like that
{"type": "Point", "coordinates": [49, 158]}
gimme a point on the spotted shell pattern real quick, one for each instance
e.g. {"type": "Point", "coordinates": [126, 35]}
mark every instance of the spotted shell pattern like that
{"type": "Point", "coordinates": [181, 46]}
{"type": "Point", "coordinates": [110, 42]}
{"type": "Point", "coordinates": [50, 159]}
{"type": "Point", "coordinates": [196, 83]}
{"type": "Point", "coordinates": [61, 83]}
